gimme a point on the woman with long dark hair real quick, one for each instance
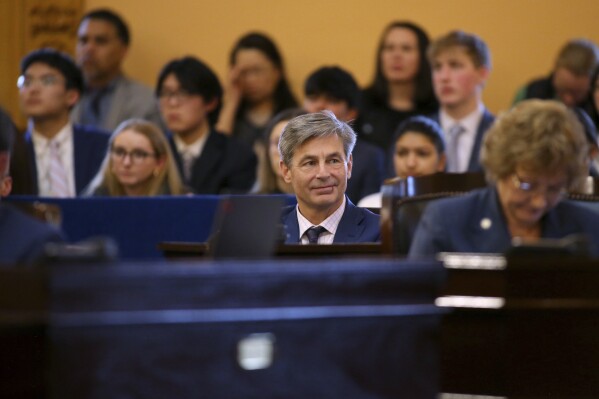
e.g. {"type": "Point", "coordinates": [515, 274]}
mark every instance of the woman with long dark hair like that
{"type": "Point", "coordinates": [257, 88]}
{"type": "Point", "coordinates": [401, 86]}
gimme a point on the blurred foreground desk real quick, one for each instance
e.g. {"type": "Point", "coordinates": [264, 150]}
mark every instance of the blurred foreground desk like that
{"type": "Point", "coordinates": [281, 328]}
{"type": "Point", "coordinates": [187, 250]}
{"type": "Point", "coordinates": [521, 328]}
{"type": "Point", "coordinates": [302, 328]}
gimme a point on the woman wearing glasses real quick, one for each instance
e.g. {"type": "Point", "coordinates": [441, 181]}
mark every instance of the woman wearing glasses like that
{"type": "Point", "coordinates": [139, 162]}
{"type": "Point", "coordinates": [533, 155]}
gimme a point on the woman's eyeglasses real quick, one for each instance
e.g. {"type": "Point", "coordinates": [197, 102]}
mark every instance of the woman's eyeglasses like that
{"type": "Point", "coordinates": [136, 156]}
{"type": "Point", "coordinates": [533, 188]}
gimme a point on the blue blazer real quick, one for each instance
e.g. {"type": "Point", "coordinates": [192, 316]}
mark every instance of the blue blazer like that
{"type": "Point", "coordinates": [356, 225]}
{"type": "Point", "coordinates": [484, 125]}
{"type": "Point", "coordinates": [89, 149]}
{"type": "Point", "coordinates": [225, 166]}
{"type": "Point", "coordinates": [22, 238]}
{"type": "Point", "coordinates": [456, 225]}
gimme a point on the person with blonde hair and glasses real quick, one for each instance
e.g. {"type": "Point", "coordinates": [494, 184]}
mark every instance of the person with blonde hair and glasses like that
{"type": "Point", "coordinates": [139, 162]}
{"type": "Point", "coordinates": [533, 155]}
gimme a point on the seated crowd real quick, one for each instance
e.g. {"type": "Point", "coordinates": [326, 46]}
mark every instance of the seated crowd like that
{"type": "Point", "coordinates": [93, 131]}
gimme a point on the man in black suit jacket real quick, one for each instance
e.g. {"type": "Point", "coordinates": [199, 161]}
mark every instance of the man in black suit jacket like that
{"type": "Point", "coordinates": [22, 238]}
{"type": "Point", "coordinates": [190, 100]}
{"type": "Point", "coordinates": [461, 63]}
{"type": "Point", "coordinates": [316, 159]}
{"type": "Point", "coordinates": [334, 89]}
{"type": "Point", "coordinates": [49, 86]}
{"type": "Point", "coordinates": [571, 79]}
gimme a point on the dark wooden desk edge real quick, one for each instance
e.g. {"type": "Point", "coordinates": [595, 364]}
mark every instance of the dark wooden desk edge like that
{"type": "Point", "coordinates": [196, 249]}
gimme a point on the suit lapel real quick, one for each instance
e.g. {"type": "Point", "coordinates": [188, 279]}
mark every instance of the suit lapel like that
{"type": "Point", "coordinates": [32, 162]}
{"type": "Point", "coordinates": [488, 227]}
{"type": "Point", "coordinates": [350, 226]}
{"type": "Point", "coordinates": [80, 163]}
{"type": "Point", "coordinates": [176, 155]}
{"type": "Point", "coordinates": [208, 161]}
{"type": "Point", "coordinates": [485, 122]}
{"type": "Point", "coordinates": [292, 227]}
{"type": "Point", "coordinates": [118, 101]}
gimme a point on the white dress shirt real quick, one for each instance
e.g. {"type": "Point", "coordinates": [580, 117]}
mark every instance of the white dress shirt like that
{"type": "Point", "coordinates": [41, 146]}
{"type": "Point", "coordinates": [193, 150]}
{"type": "Point", "coordinates": [331, 223]}
{"type": "Point", "coordinates": [466, 140]}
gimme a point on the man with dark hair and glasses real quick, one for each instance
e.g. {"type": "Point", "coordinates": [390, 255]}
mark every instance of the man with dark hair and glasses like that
{"type": "Point", "coordinates": [190, 100]}
{"type": "Point", "coordinates": [64, 157]}
{"type": "Point", "coordinates": [109, 97]}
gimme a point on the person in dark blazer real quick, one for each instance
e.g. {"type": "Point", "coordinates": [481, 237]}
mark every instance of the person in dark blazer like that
{"type": "Point", "coordinates": [64, 158]}
{"type": "Point", "coordinates": [571, 78]}
{"type": "Point", "coordinates": [190, 100]}
{"type": "Point", "coordinates": [533, 155]}
{"type": "Point", "coordinates": [22, 238]}
{"type": "Point", "coordinates": [461, 63]}
{"type": "Point", "coordinates": [334, 89]}
{"type": "Point", "coordinates": [316, 159]}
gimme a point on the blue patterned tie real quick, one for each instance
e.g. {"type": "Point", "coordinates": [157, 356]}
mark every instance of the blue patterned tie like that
{"type": "Point", "coordinates": [313, 233]}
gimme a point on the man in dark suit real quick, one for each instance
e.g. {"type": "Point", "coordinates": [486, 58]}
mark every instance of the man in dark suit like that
{"type": "Point", "coordinates": [190, 100]}
{"type": "Point", "coordinates": [570, 81]}
{"type": "Point", "coordinates": [64, 158]}
{"type": "Point", "coordinates": [334, 89]}
{"type": "Point", "coordinates": [316, 159]}
{"type": "Point", "coordinates": [461, 63]}
{"type": "Point", "coordinates": [22, 238]}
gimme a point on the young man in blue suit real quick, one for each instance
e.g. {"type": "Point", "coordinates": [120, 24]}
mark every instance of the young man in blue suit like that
{"type": "Point", "coordinates": [461, 63]}
{"type": "Point", "coordinates": [316, 159]}
{"type": "Point", "coordinates": [22, 238]}
{"type": "Point", "coordinates": [64, 158]}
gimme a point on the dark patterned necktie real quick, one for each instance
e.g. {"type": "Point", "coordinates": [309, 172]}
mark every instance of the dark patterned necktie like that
{"type": "Point", "coordinates": [313, 233]}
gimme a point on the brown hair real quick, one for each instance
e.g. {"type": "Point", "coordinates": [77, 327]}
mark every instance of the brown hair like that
{"type": "Point", "coordinates": [579, 56]}
{"type": "Point", "coordinates": [543, 136]}
{"type": "Point", "coordinates": [475, 47]}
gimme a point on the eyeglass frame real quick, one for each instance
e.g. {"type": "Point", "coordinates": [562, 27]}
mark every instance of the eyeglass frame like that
{"type": "Point", "coordinates": [25, 82]}
{"type": "Point", "coordinates": [532, 188]}
{"type": "Point", "coordinates": [180, 95]}
{"type": "Point", "coordinates": [136, 156]}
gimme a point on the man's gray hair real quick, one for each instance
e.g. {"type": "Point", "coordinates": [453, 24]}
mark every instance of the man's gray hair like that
{"type": "Point", "coordinates": [306, 127]}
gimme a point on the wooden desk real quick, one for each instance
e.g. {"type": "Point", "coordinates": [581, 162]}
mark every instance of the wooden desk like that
{"type": "Point", "coordinates": [524, 327]}
{"type": "Point", "coordinates": [187, 250]}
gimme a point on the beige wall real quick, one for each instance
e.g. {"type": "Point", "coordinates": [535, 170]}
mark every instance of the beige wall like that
{"type": "Point", "coordinates": [524, 35]}
{"type": "Point", "coordinates": [26, 25]}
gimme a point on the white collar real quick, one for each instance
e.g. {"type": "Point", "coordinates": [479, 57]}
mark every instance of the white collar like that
{"type": "Point", "coordinates": [330, 223]}
{"type": "Point", "coordinates": [470, 122]}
